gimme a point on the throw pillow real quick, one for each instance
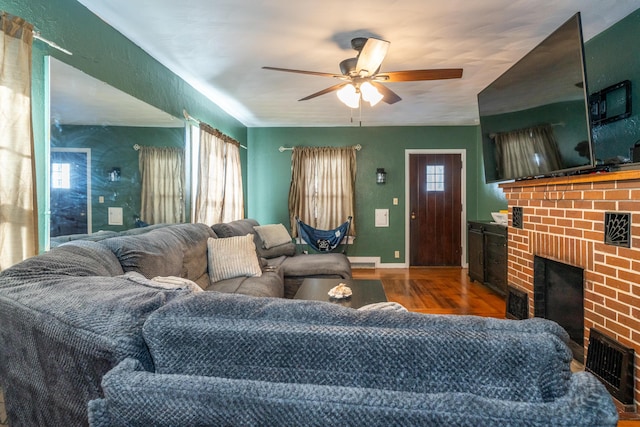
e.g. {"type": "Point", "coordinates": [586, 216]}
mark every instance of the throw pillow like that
{"type": "Point", "coordinates": [231, 257]}
{"type": "Point", "coordinates": [272, 235]}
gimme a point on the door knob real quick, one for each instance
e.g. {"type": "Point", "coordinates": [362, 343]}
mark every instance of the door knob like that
{"type": "Point", "coordinates": [413, 215]}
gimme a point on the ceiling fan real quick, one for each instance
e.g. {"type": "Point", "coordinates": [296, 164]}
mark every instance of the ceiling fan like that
{"type": "Point", "coordinates": [361, 76]}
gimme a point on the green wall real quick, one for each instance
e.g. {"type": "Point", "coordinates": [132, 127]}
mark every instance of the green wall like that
{"type": "Point", "coordinates": [112, 146]}
{"type": "Point", "coordinates": [102, 52]}
{"type": "Point", "coordinates": [270, 176]}
{"type": "Point", "coordinates": [611, 57]}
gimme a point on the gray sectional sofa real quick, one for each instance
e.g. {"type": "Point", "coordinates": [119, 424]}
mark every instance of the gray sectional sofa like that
{"type": "Point", "coordinates": [90, 334]}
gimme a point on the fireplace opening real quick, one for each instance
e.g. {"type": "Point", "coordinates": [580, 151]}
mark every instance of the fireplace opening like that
{"type": "Point", "coordinates": [558, 295]}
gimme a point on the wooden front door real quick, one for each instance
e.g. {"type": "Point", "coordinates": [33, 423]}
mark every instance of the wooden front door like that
{"type": "Point", "coordinates": [435, 204]}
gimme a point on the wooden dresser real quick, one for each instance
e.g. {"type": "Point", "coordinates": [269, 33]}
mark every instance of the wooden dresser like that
{"type": "Point", "coordinates": [487, 248]}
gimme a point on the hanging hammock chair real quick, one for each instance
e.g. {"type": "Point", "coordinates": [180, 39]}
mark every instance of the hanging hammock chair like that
{"type": "Point", "coordinates": [324, 240]}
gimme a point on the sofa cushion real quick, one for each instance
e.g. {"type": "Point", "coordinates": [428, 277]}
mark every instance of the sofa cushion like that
{"type": "Point", "coordinates": [279, 340]}
{"type": "Point", "coordinates": [286, 249]}
{"type": "Point", "coordinates": [77, 258]}
{"type": "Point", "coordinates": [176, 250]}
{"type": "Point", "coordinates": [136, 398]}
{"type": "Point", "coordinates": [318, 265]}
{"type": "Point", "coordinates": [231, 257]}
{"type": "Point", "coordinates": [240, 227]}
{"type": "Point", "coordinates": [269, 284]}
{"type": "Point", "coordinates": [103, 234]}
{"type": "Point", "coordinates": [194, 239]}
{"type": "Point", "coordinates": [272, 235]}
{"type": "Point", "coordinates": [97, 236]}
{"type": "Point", "coordinates": [157, 253]}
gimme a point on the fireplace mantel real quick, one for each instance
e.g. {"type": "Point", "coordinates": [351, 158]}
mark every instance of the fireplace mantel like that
{"type": "Point", "coordinates": [628, 175]}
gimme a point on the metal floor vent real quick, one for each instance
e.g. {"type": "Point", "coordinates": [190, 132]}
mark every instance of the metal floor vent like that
{"type": "Point", "coordinates": [517, 304]}
{"type": "Point", "coordinates": [363, 264]}
{"type": "Point", "coordinates": [611, 363]}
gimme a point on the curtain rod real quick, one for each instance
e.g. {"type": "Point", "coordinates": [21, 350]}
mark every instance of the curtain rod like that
{"type": "Point", "coordinates": [193, 119]}
{"type": "Point", "coordinates": [358, 147]}
{"type": "Point", "coordinates": [37, 36]}
{"type": "Point", "coordinates": [138, 147]}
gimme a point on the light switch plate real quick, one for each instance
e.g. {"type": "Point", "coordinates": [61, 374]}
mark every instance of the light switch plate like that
{"type": "Point", "coordinates": [382, 217]}
{"type": "Point", "coordinates": [115, 216]}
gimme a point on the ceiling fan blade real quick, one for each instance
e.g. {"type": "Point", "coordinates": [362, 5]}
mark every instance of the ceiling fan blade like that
{"type": "Point", "coordinates": [313, 73]}
{"type": "Point", "coordinates": [417, 75]}
{"type": "Point", "coordinates": [371, 56]}
{"type": "Point", "coordinates": [390, 97]}
{"type": "Point", "coordinates": [324, 91]}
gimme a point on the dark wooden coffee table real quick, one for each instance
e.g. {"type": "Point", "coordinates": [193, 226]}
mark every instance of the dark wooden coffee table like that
{"type": "Point", "coordinates": [364, 291]}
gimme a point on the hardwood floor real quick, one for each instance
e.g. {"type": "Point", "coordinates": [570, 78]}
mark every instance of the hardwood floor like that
{"type": "Point", "coordinates": [445, 290]}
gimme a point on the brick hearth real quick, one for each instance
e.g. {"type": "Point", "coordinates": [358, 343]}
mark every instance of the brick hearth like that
{"type": "Point", "coordinates": [564, 219]}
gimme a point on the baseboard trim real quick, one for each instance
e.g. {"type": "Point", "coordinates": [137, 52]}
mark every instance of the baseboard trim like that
{"type": "Point", "coordinates": [393, 265]}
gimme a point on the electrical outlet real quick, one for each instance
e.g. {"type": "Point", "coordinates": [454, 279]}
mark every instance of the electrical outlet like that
{"type": "Point", "coordinates": [397, 254]}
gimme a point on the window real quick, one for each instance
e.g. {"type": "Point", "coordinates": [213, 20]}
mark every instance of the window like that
{"type": "Point", "coordinates": [322, 192]}
{"type": "Point", "coordinates": [61, 175]}
{"type": "Point", "coordinates": [435, 178]}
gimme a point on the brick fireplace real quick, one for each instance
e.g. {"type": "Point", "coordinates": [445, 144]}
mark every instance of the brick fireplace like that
{"type": "Point", "coordinates": [564, 219]}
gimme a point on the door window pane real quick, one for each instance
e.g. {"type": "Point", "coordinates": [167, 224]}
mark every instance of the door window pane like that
{"type": "Point", "coordinates": [435, 178]}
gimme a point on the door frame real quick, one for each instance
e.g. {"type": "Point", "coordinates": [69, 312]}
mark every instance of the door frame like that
{"type": "Point", "coordinates": [463, 196]}
{"type": "Point", "coordinates": [87, 151]}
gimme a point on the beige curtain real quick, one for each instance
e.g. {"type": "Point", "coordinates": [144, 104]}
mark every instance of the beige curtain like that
{"type": "Point", "coordinates": [322, 191]}
{"type": "Point", "coordinates": [219, 196]}
{"type": "Point", "coordinates": [232, 206]}
{"type": "Point", "coordinates": [18, 209]}
{"type": "Point", "coordinates": [527, 152]}
{"type": "Point", "coordinates": [163, 183]}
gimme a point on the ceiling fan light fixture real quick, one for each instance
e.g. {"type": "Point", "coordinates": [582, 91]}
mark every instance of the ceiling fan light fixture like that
{"type": "Point", "coordinates": [349, 96]}
{"type": "Point", "coordinates": [370, 93]}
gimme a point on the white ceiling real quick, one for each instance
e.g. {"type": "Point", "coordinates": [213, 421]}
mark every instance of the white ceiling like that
{"type": "Point", "coordinates": [219, 47]}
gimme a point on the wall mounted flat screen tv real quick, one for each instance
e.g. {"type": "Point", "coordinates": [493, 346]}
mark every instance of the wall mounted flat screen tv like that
{"type": "Point", "coordinates": [534, 118]}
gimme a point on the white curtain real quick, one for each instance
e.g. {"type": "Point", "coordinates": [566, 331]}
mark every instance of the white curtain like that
{"type": "Point", "coordinates": [18, 209]}
{"type": "Point", "coordinates": [527, 152]}
{"type": "Point", "coordinates": [163, 184]}
{"type": "Point", "coordinates": [233, 204]}
{"type": "Point", "coordinates": [219, 195]}
{"type": "Point", "coordinates": [322, 191]}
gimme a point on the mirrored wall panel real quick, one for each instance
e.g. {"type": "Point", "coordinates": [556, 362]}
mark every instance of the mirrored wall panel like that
{"type": "Point", "coordinates": [97, 131]}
